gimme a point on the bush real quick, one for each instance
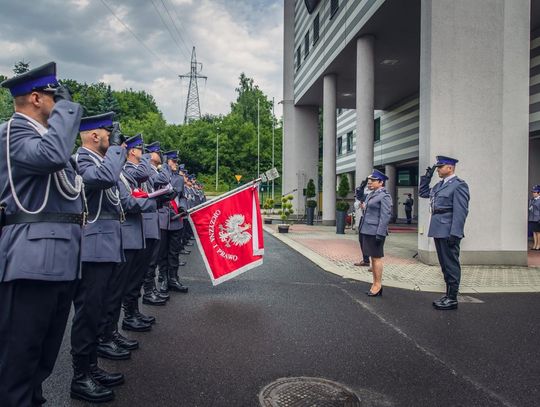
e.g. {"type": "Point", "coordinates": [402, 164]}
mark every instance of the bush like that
{"type": "Point", "coordinates": [311, 203]}
{"type": "Point", "coordinates": [342, 206]}
{"type": "Point", "coordinates": [268, 205]}
{"type": "Point", "coordinates": [286, 207]}
{"type": "Point", "coordinates": [343, 190]}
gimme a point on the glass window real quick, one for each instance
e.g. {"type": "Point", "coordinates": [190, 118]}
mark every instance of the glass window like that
{"type": "Point", "coordinates": [316, 29]}
{"type": "Point", "coordinates": [340, 146]}
{"type": "Point", "coordinates": [404, 177]}
{"type": "Point", "coordinates": [298, 57]}
{"type": "Point", "coordinates": [334, 5]}
{"type": "Point", "coordinates": [349, 141]}
{"type": "Point", "coordinates": [377, 129]}
{"type": "Point", "coordinates": [306, 45]}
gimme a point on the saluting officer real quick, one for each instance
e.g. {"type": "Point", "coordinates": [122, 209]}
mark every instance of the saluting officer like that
{"type": "Point", "coordinates": [534, 216]}
{"type": "Point", "coordinates": [449, 204]}
{"type": "Point", "coordinates": [99, 161]}
{"type": "Point", "coordinates": [41, 234]}
{"type": "Point", "coordinates": [171, 232]}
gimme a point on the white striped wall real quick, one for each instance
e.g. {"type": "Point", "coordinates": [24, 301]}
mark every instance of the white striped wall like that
{"type": "Point", "coordinates": [399, 135]}
{"type": "Point", "coordinates": [534, 84]}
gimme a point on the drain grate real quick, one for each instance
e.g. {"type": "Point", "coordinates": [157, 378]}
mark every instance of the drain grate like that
{"type": "Point", "coordinates": [307, 392]}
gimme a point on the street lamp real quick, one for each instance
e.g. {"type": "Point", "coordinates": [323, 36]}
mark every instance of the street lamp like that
{"type": "Point", "coordinates": [217, 158]}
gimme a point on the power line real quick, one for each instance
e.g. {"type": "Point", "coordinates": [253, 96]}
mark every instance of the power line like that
{"type": "Point", "coordinates": [174, 24]}
{"type": "Point", "coordinates": [137, 38]}
{"type": "Point", "coordinates": [178, 19]}
{"type": "Point", "coordinates": [169, 30]}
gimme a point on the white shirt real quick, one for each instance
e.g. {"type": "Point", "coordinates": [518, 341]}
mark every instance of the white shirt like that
{"type": "Point", "coordinates": [449, 178]}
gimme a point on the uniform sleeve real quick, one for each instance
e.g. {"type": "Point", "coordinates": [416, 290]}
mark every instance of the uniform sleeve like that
{"type": "Point", "coordinates": [161, 178]}
{"type": "Point", "coordinates": [460, 209]}
{"type": "Point", "coordinates": [423, 189]}
{"type": "Point", "coordinates": [135, 205]}
{"type": "Point", "coordinates": [385, 215]}
{"type": "Point", "coordinates": [52, 151]}
{"type": "Point", "coordinates": [139, 172]}
{"type": "Point", "coordinates": [106, 175]}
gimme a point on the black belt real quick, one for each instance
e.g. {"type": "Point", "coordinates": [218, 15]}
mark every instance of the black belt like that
{"type": "Point", "coordinates": [16, 218]}
{"type": "Point", "coordinates": [439, 211]}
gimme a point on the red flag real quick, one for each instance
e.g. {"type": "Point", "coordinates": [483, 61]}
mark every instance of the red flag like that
{"type": "Point", "coordinates": [228, 230]}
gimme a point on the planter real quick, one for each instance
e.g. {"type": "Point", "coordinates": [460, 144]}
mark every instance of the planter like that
{"type": "Point", "coordinates": [283, 228]}
{"type": "Point", "coordinates": [310, 215]}
{"type": "Point", "coordinates": [267, 221]}
{"type": "Point", "coordinates": [341, 217]}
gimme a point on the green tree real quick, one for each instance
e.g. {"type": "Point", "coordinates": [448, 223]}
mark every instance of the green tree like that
{"type": "Point", "coordinates": [343, 190]}
{"type": "Point", "coordinates": [6, 102]}
{"type": "Point", "coordinates": [21, 67]}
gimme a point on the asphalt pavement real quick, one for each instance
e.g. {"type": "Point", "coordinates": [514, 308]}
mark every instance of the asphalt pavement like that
{"type": "Point", "coordinates": [219, 346]}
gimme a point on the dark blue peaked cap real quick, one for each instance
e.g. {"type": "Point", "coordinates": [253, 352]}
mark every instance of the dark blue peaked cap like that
{"type": "Point", "coordinates": [154, 147]}
{"type": "Point", "coordinates": [376, 174]}
{"type": "Point", "coordinates": [442, 160]}
{"type": "Point", "coordinates": [99, 121]}
{"type": "Point", "coordinates": [135, 141]}
{"type": "Point", "coordinates": [536, 188]}
{"type": "Point", "coordinates": [171, 155]}
{"type": "Point", "coordinates": [41, 78]}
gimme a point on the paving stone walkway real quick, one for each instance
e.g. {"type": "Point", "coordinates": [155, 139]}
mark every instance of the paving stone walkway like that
{"type": "Point", "coordinates": [338, 253]}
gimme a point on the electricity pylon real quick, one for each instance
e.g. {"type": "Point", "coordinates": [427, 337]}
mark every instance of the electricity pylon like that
{"type": "Point", "coordinates": [193, 106]}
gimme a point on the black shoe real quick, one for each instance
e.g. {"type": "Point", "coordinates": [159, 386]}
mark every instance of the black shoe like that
{"type": "Point", "coordinates": [123, 342]}
{"type": "Point", "coordinates": [85, 387]}
{"type": "Point", "coordinates": [446, 304]}
{"type": "Point", "coordinates": [182, 263]}
{"type": "Point", "coordinates": [105, 378]}
{"type": "Point", "coordinates": [175, 285]}
{"type": "Point", "coordinates": [439, 301]}
{"type": "Point", "coordinates": [377, 294]}
{"type": "Point", "coordinates": [188, 244]}
{"type": "Point", "coordinates": [152, 299]}
{"type": "Point", "coordinates": [165, 296]}
{"type": "Point", "coordinates": [147, 319]}
{"type": "Point", "coordinates": [184, 251]}
{"type": "Point", "coordinates": [110, 350]}
{"type": "Point", "coordinates": [131, 323]}
{"type": "Point", "coordinates": [163, 286]}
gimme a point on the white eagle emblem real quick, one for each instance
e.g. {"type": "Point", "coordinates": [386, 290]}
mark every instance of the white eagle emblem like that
{"type": "Point", "coordinates": [234, 232]}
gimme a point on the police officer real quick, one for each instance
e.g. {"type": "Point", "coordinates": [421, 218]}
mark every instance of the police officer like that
{"type": "Point", "coordinates": [40, 239]}
{"type": "Point", "coordinates": [449, 204]}
{"type": "Point", "coordinates": [99, 161]}
{"type": "Point", "coordinates": [408, 208]}
{"type": "Point", "coordinates": [534, 216]}
{"type": "Point", "coordinates": [112, 344]}
{"type": "Point", "coordinates": [360, 195]}
{"type": "Point", "coordinates": [171, 225]}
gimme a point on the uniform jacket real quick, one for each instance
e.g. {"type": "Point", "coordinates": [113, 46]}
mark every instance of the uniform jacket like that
{"type": "Point", "coordinates": [377, 213]}
{"type": "Point", "coordinates": [132, 228]}
{"type": "Point", "coordinates": [141, 174]}
{"type": "Point", "coordinates": [166, 212]}
{"type": "Point", "coordinates": [452, 195]}
{"type": "Point", "coordinates": [40, 251]}
{"type": "Point", "coordinates": [102, 238]}
{"type": "Point", "coordinates": [534, 210]}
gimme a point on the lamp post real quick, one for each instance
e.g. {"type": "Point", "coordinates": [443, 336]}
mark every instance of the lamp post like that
{"type": "Point", "coordinates": [273, 132]}
{"type": "Point", "coordinates": [217, 158]}
{"type": "Point", "coordinates": [258, 141]}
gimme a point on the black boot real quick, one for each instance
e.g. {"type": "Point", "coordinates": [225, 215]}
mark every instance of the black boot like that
{"type": "Point", "coordinates": [105, 378]}
{"type": "Point", "coordinates": [131, 322]}
{"type": "Point", "coordinates": [151, 298]}
{"type": "Point", "coordinates": [108, 349]}
{"type": "Point", "coordinates": [163, 281]}
{"type": "Point", "coordinates": [165, 296]}
{"type": "Point", "coordinates": [444, 297]}
{"type": "Point", "coordinates": [84, 386]}
{"type": "Point", "coordinates": [174, 284]}
{"type": "Point", "coordinates": [149, 287]}
{"type": "Point", "coordinates": [149, 319]}
{"type": "Point", "coordinates": [451, 300]}
{"type": "Point", "coordinates": [123, 342]}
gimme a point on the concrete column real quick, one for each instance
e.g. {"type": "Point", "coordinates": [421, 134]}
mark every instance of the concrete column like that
{"type": "Point", "coordinates": [391, 187]}
{"type": "Point", "coordinates": [365, 93]}
{"type": "Point", "coordinates": [474, 79]}
{"type": "Point", "coordinates": [329, 149]}
{"type": "Point", "coordinates": [300, 126]}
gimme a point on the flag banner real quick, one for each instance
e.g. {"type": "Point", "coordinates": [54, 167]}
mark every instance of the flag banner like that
{"type": "Point", "coordinates": [229, 233]}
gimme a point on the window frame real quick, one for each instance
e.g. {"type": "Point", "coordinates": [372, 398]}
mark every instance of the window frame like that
{"type": "Point", "coordinates": [334, 7]}
{"type": "Point", "coordinates": [316, 32]}
{"type": "Point", "coordinates": [340, 146]}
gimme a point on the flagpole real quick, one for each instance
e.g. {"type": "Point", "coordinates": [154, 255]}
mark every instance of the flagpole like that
{"type": "Point", "coordinates": [258, 141]}
{"type": "Point", "coordinates": [223, 196]}
{"type": "Point", "coordinates": [273, 131]}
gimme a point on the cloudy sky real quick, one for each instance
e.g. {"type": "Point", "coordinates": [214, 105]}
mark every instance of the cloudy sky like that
{"type": "Point", "coordinates": [90, 44]}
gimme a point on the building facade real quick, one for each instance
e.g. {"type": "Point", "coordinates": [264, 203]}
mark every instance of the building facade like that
{"type": "Point", "coordinates": [401, 82]}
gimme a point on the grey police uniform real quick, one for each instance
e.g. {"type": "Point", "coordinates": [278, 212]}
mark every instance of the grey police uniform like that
{"type": "Point", "coordinates": [39, 262]}
{"type": "Point", "coordinates": [534, 214]}
{"type": "Point", "coordinates": [377, 214]}
{"type": "Point", "coordinates": [449, 202]}
{"type": "Point", "coordinates": [101, 248]}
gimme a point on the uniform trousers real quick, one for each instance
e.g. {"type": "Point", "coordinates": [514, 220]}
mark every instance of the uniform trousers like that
{"type": "Point", "coordinates": [114, 294]}
{"type": "Point", "coordinates": [169, 250]}
{"type": "Point", "coordinates": [449, 261]}
{"type": "Point", "coordinates": [153, 255]}
{"type": "Point", "coordinates": [89, 303]}
{"type": "Point", "coordinates": [134, 284]}
{"type": "Point", "coordinates": [33, 319]}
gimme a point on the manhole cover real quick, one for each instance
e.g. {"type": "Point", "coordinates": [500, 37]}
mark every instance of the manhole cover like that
{"type": "Point", "coordinates": [307, 392]}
